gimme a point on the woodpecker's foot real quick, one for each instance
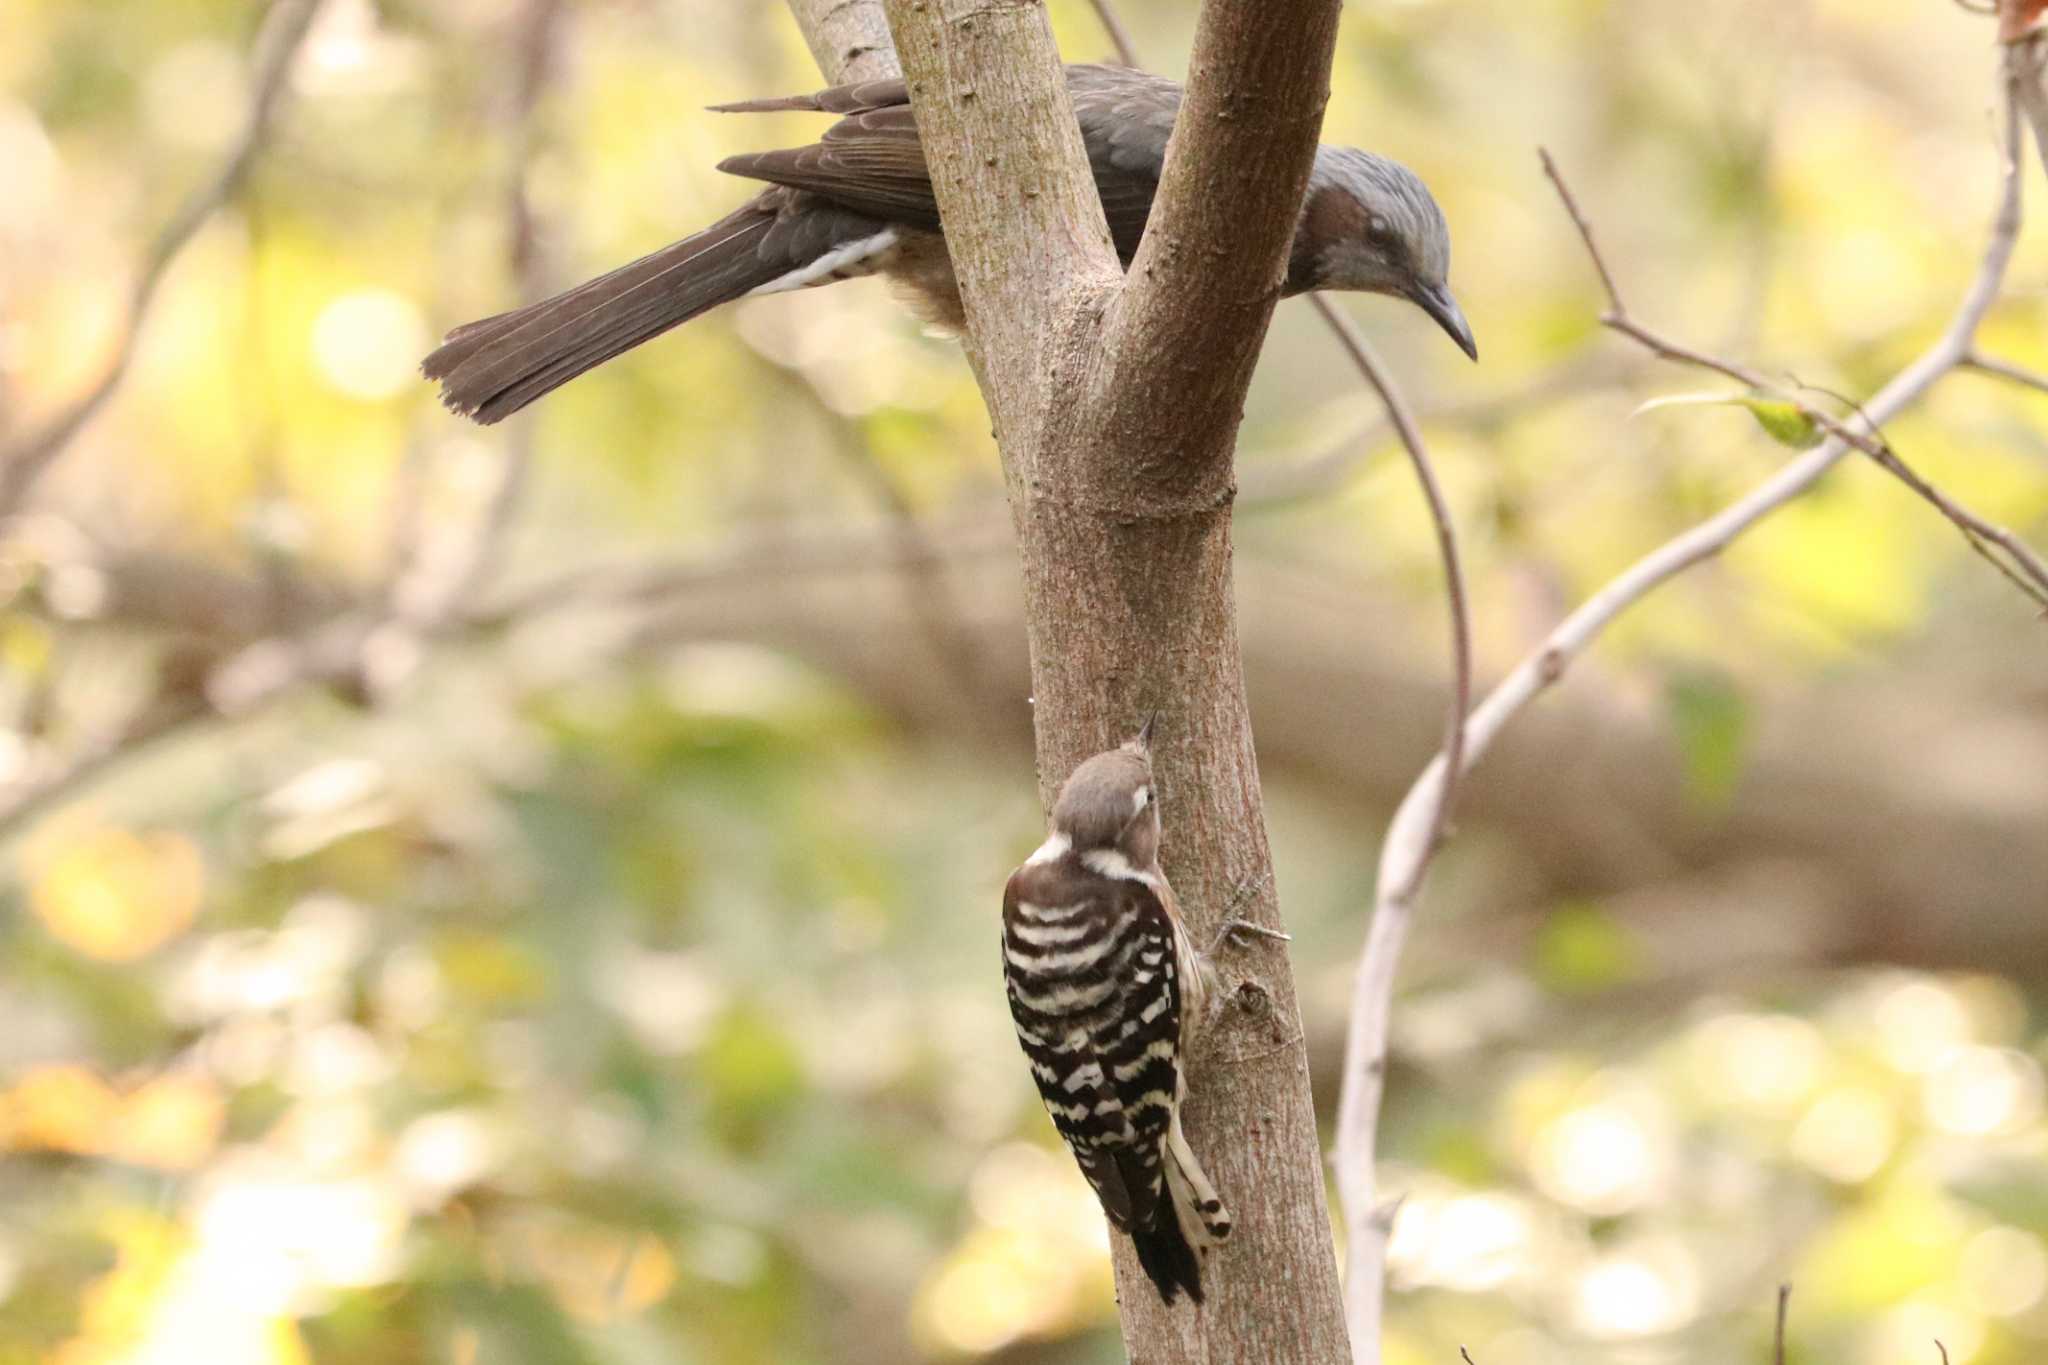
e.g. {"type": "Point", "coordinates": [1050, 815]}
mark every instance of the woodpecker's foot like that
{"type": "Point", "coordinates": [1244, 893]}
{"type": "Point", "coordinates": [1237, 930]}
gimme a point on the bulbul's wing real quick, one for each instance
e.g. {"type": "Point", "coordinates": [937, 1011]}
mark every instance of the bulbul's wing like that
{"type": "Point", "coordinates": [872, 162]}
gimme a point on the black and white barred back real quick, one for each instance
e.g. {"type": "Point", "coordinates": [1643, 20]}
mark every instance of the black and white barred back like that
{"type": "Point", "coordinates": [1104, 987]}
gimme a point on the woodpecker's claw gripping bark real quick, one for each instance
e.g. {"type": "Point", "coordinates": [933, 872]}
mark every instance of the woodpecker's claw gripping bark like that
{"type": "Point", "coordinates": [1233, 930]}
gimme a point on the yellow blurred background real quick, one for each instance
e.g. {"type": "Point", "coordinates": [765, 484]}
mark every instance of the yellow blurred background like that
{"type": "Point", "coordinates": [529, 895]}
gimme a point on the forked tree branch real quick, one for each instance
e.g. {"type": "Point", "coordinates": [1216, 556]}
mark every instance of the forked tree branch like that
{"type": "Point", "coordinates": [1407, 843]}
{"type": "Point", "coordinates": [1402, 418]}
{"type": "Point", "coordinates": [1116, 400]}
{"type": "Point", "coordinates": [283, 33]}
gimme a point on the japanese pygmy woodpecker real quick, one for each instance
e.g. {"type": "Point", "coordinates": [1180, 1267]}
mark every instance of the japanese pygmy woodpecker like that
{"type": "Point", "coordinates": [1106, 989]}
{"type": "Point", "coordinates": [860, 201]}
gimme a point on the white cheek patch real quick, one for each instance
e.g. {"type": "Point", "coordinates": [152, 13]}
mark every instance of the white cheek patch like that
{"type": "Point", "coordinates": [1052, 850]}
{"type": "Point", "coordinates": [1139, 800]}
{"type": "Point", "coordinates": [1108, 862]}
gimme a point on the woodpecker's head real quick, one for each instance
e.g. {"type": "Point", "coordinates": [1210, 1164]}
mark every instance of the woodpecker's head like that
{"type": "Point", "coordinates": [1108, 803]}
{"type": "Point", "coordinates": [1369, 223]}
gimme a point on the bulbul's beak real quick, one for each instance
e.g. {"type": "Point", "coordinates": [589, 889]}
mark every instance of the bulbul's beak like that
{"type": "Point", "coordinates": [1436, 301]}
{"type": "Point", "coordinates": [1144, 735]}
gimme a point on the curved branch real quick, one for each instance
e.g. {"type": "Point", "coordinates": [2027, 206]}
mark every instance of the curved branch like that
{"type": "Point", "coordinates": [1365, 1053]}
{"type": "Point", "coordinates": [1410, 433]}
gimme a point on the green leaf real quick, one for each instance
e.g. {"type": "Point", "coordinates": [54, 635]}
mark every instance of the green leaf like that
{"type": "Point", "coordinates": [1581, 949]}
{"type": "Point", "coordinates": [1783, 420]}
{"type": "Point", "coordinates": [752, 1072]}
{"type": "Point", "coordinates": [1787, 424]}
{"type": "Point", "coordinates": [1711, 720]}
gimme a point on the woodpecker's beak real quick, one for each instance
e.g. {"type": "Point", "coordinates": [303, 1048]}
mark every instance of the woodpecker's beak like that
{"type": "Point", "coordinates": [1436, 300]}
{"type": "Point", "coordinates": [1144, 739]}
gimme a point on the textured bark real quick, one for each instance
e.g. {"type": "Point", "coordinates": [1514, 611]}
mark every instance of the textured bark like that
{"type": "Point", "coordinates": [1116, 404]}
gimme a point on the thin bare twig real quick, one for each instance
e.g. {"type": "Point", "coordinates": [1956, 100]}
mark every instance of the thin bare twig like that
{"type": "Point", "coordinates": [2022, 566]}
{"type": "Point", "coordinates": [2020, 28]}
{"type": "Point", "coordinates": [540, 32]}
{"type": "Point", "coordinates": [1365, 1055]}
{"type": "Point", "coordinates": [278, 43]}
{"type": "Point", "coordinates": [2005, 369]}
{"type": "Point", "coordinates": [435, 574]}
{"type": "Point", "coordinates": [1269, 483]}
{"type": "Point", "coordinates": [939, 613]}
{"type": "Point", "coordinates": [1356, 346]}
{"type": "Point", "coordinates": [1119, 36]}
{"type": "Point", "coordinates": [1778, 1333]}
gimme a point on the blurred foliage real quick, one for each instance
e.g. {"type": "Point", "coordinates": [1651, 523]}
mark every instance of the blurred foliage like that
{"type": "Point", "coordinates": [637, 1003]}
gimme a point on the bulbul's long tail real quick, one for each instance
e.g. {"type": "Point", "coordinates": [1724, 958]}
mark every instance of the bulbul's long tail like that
{"type": "Point", "coordinates": [491, 368]}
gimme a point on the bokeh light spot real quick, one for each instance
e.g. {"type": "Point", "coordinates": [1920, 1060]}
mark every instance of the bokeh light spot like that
{"type": "Point", "coordinates": [1847, 1135]}
{"type": "Point", "coordinates": [368, 344]}
{"type": "Point", "coordinates": [2004, 1271]}
{"type": "Point", "coordinates": [114, 894]}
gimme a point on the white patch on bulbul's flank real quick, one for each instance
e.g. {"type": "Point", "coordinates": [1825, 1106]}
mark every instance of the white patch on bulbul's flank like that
{"type": "Point", "coordinates": [1052, 850]}
{"type": "Point", "coordinates": [855, 258]}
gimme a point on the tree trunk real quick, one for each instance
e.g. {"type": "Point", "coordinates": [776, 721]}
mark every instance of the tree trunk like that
{"type": "Point", "coordinates": [1116, 402]}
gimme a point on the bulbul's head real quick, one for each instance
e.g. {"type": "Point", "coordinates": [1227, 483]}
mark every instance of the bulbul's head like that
{"type": "Point", "coordinates": [1369, 223]}
{"type": "Point", "coordinates": [1108, 803]}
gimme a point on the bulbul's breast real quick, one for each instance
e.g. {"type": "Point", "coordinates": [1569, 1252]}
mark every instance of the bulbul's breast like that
{"type": "Point", "coordinates": [922, 274]}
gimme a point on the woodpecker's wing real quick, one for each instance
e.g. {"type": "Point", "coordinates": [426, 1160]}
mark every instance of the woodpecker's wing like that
{"type": "Point", "coordinates": [872, 162]}
{"type": "Point", "coordinates": [1093, 984]}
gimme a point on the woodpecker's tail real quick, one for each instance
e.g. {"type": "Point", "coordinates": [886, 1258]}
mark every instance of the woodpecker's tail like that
{"type": "Point", "coordinates": [1182, 1226]}
{"type": "Point", "coordinates": [491, 368]}
{"type": "Point", "coordinates": [1166, 1254]}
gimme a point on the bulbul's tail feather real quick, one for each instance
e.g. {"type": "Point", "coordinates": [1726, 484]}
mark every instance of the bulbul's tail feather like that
{"type": "Point", "coordinates": [491, 368]}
